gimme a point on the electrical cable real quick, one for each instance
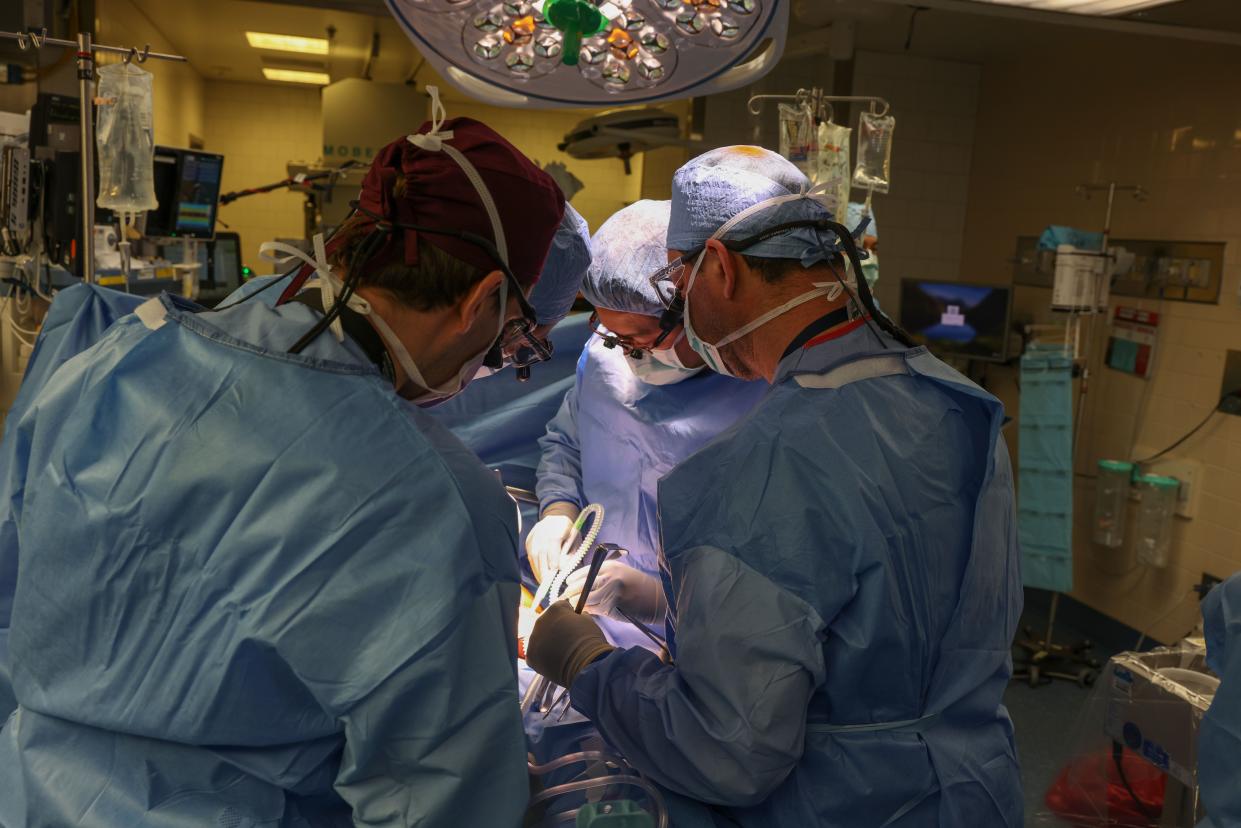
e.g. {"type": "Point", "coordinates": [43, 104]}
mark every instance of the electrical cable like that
{"type": "Point", "coordinates": [360, 256]}
{"type": "Point", "coordinates": [34, 282]}
{"type": "Point", "coordinates": [1118, 752]}
{"type": "Point", "coordinates": [1214, 410]}
{"type": "Point", "coordinates": [864, 298]}
{"type": "Point", "coordinates": [22, 330]}
{"type": "Point", "coordinates": [6, 307]}
{"type": "Point", "coordinates": [9, 304]}
{"type": "Point", "coordinates": [249, 296]}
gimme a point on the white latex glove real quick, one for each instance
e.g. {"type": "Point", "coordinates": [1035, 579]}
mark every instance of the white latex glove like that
{"type": "Point", "coordinates": [547, 536]}
{"type": "Point", "coordinates": [619, 586]}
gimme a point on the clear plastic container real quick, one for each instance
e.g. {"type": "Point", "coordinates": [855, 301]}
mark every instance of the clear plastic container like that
{"type": "Point", "coordinates": [1111, 502]}
{"type": "Point", "coordinates": [874, 152]}
{"type": "Point", "coordinates": [125, 139]}
{"type": "Point", "coordinates": [833, 171]}
{"type": "Point", "coordinates": [1153, 531]}
{"type": "Point", "coordinates": [799, 139]}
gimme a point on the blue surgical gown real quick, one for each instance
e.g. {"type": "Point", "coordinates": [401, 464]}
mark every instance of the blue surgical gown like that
{"type": "Point", "coordinates": [253, 588]}
{"type": "Point", "coordinates": [843, 577]}
{"type": "Point", "coordinates": [616, 436]}
{"type": "Point", "coordinates": [77, 318]}
{"type": "Point", "coordinates": [1219, 737]}
{"type": "Point", "coordinates": [502, 419]}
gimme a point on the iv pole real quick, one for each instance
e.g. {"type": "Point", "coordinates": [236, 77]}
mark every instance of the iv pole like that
{"type": "Point", "coordinates": [86, 120]}
{"type": "Point", "coordinates": [1042, 653]}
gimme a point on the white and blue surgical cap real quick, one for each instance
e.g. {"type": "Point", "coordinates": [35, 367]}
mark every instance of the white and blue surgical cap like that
{"type": "Point", "coordinates": [626, 250]}
{"type": "Point", "coordinates": [717, 185]}
{"type": "Point", "coordinates": [566, 264]}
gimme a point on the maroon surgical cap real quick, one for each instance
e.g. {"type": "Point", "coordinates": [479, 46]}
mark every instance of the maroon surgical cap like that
{"type": "Point", "coordinates": [438, 194]}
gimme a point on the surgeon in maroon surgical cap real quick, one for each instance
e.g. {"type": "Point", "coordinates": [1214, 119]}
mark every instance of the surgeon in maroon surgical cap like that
{"type": "Point", "coordinates": [244, 579]}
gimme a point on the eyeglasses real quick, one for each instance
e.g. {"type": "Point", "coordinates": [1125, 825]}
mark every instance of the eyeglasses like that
{"type": "Point", "coordinates": [611, 340]}
{"type": "Point", "coordinates": [667, 280]}
{"type": "Point", "coordinates": [521, 347]}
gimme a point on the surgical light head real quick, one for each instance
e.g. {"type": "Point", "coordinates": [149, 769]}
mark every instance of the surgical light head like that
{"type": "Point", "coordinates": [562, 53]}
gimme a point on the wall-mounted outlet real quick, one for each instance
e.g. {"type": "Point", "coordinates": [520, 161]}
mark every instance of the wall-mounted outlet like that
{"type": "Point", "coordinates": [1188, 472]}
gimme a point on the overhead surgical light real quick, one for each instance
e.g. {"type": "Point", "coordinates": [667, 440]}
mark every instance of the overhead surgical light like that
{"type": "Point", "coordinates": [590, 52]}
{"type": "Point", "coordinates": [1101, 7]}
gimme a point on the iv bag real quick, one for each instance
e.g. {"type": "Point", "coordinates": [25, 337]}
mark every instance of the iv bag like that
{"type": "Point", "coordinates": [832, 168]}
{"type": "Point", "coordinates": [798, 142]}
{"type": "Point", "coordinates": [874, 152]}
{"type": "Point", "coordinates": [125, 139]}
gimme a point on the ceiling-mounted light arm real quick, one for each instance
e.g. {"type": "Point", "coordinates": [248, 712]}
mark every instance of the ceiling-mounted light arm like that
{"type": "Point", "coordinates": [654, 138]}
{"type": "Point", "coordinates": [371, 55]}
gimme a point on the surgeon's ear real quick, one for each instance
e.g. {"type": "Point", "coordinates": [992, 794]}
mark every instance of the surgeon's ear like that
{"type": "Point", "coordinates": [478, 300]}
{"type": "Point", "coordinates": [728, 263]}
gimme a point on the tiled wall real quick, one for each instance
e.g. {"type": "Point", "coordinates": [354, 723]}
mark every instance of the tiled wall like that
{"type": "Point", "coordinates": [260, 128]}
{"type": "Point", "coordinates": [922, 219]}
{"type": "Point", "coordinates": [1178, 134]}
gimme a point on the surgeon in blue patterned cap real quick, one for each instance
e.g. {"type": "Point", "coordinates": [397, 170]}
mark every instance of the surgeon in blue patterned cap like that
{"type": "Point", "coordinates": [634, 412]}
{"type": "Point", "coordinates": [839, 568]}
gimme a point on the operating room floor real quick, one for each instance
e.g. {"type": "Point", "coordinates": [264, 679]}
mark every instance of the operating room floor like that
{"type": "Point", "coordinates": [1045, 717]}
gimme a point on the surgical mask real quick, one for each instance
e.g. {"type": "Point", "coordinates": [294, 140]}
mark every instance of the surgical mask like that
{"type": "Point", "coordinates": [662, 367]}
{"type": "Point", "coordinates": [711, 352]}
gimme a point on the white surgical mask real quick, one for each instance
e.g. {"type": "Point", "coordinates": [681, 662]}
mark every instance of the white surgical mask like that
{"type": "Point", "coordinates": [662, 367]}
{"type": "Point", "coordinates": [710, 352]}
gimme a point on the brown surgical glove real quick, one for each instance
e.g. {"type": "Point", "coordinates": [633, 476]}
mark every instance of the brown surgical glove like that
{"type": "Point", "coordinates": [563, 643]}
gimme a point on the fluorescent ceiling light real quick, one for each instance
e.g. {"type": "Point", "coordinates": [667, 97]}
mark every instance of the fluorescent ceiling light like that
{"type": "Point", "coordinates": [297, 76]}
{"type": "Point", "coordinates": [1103, 7]}
{"type": "Point", "coordinates": [288, 43]}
